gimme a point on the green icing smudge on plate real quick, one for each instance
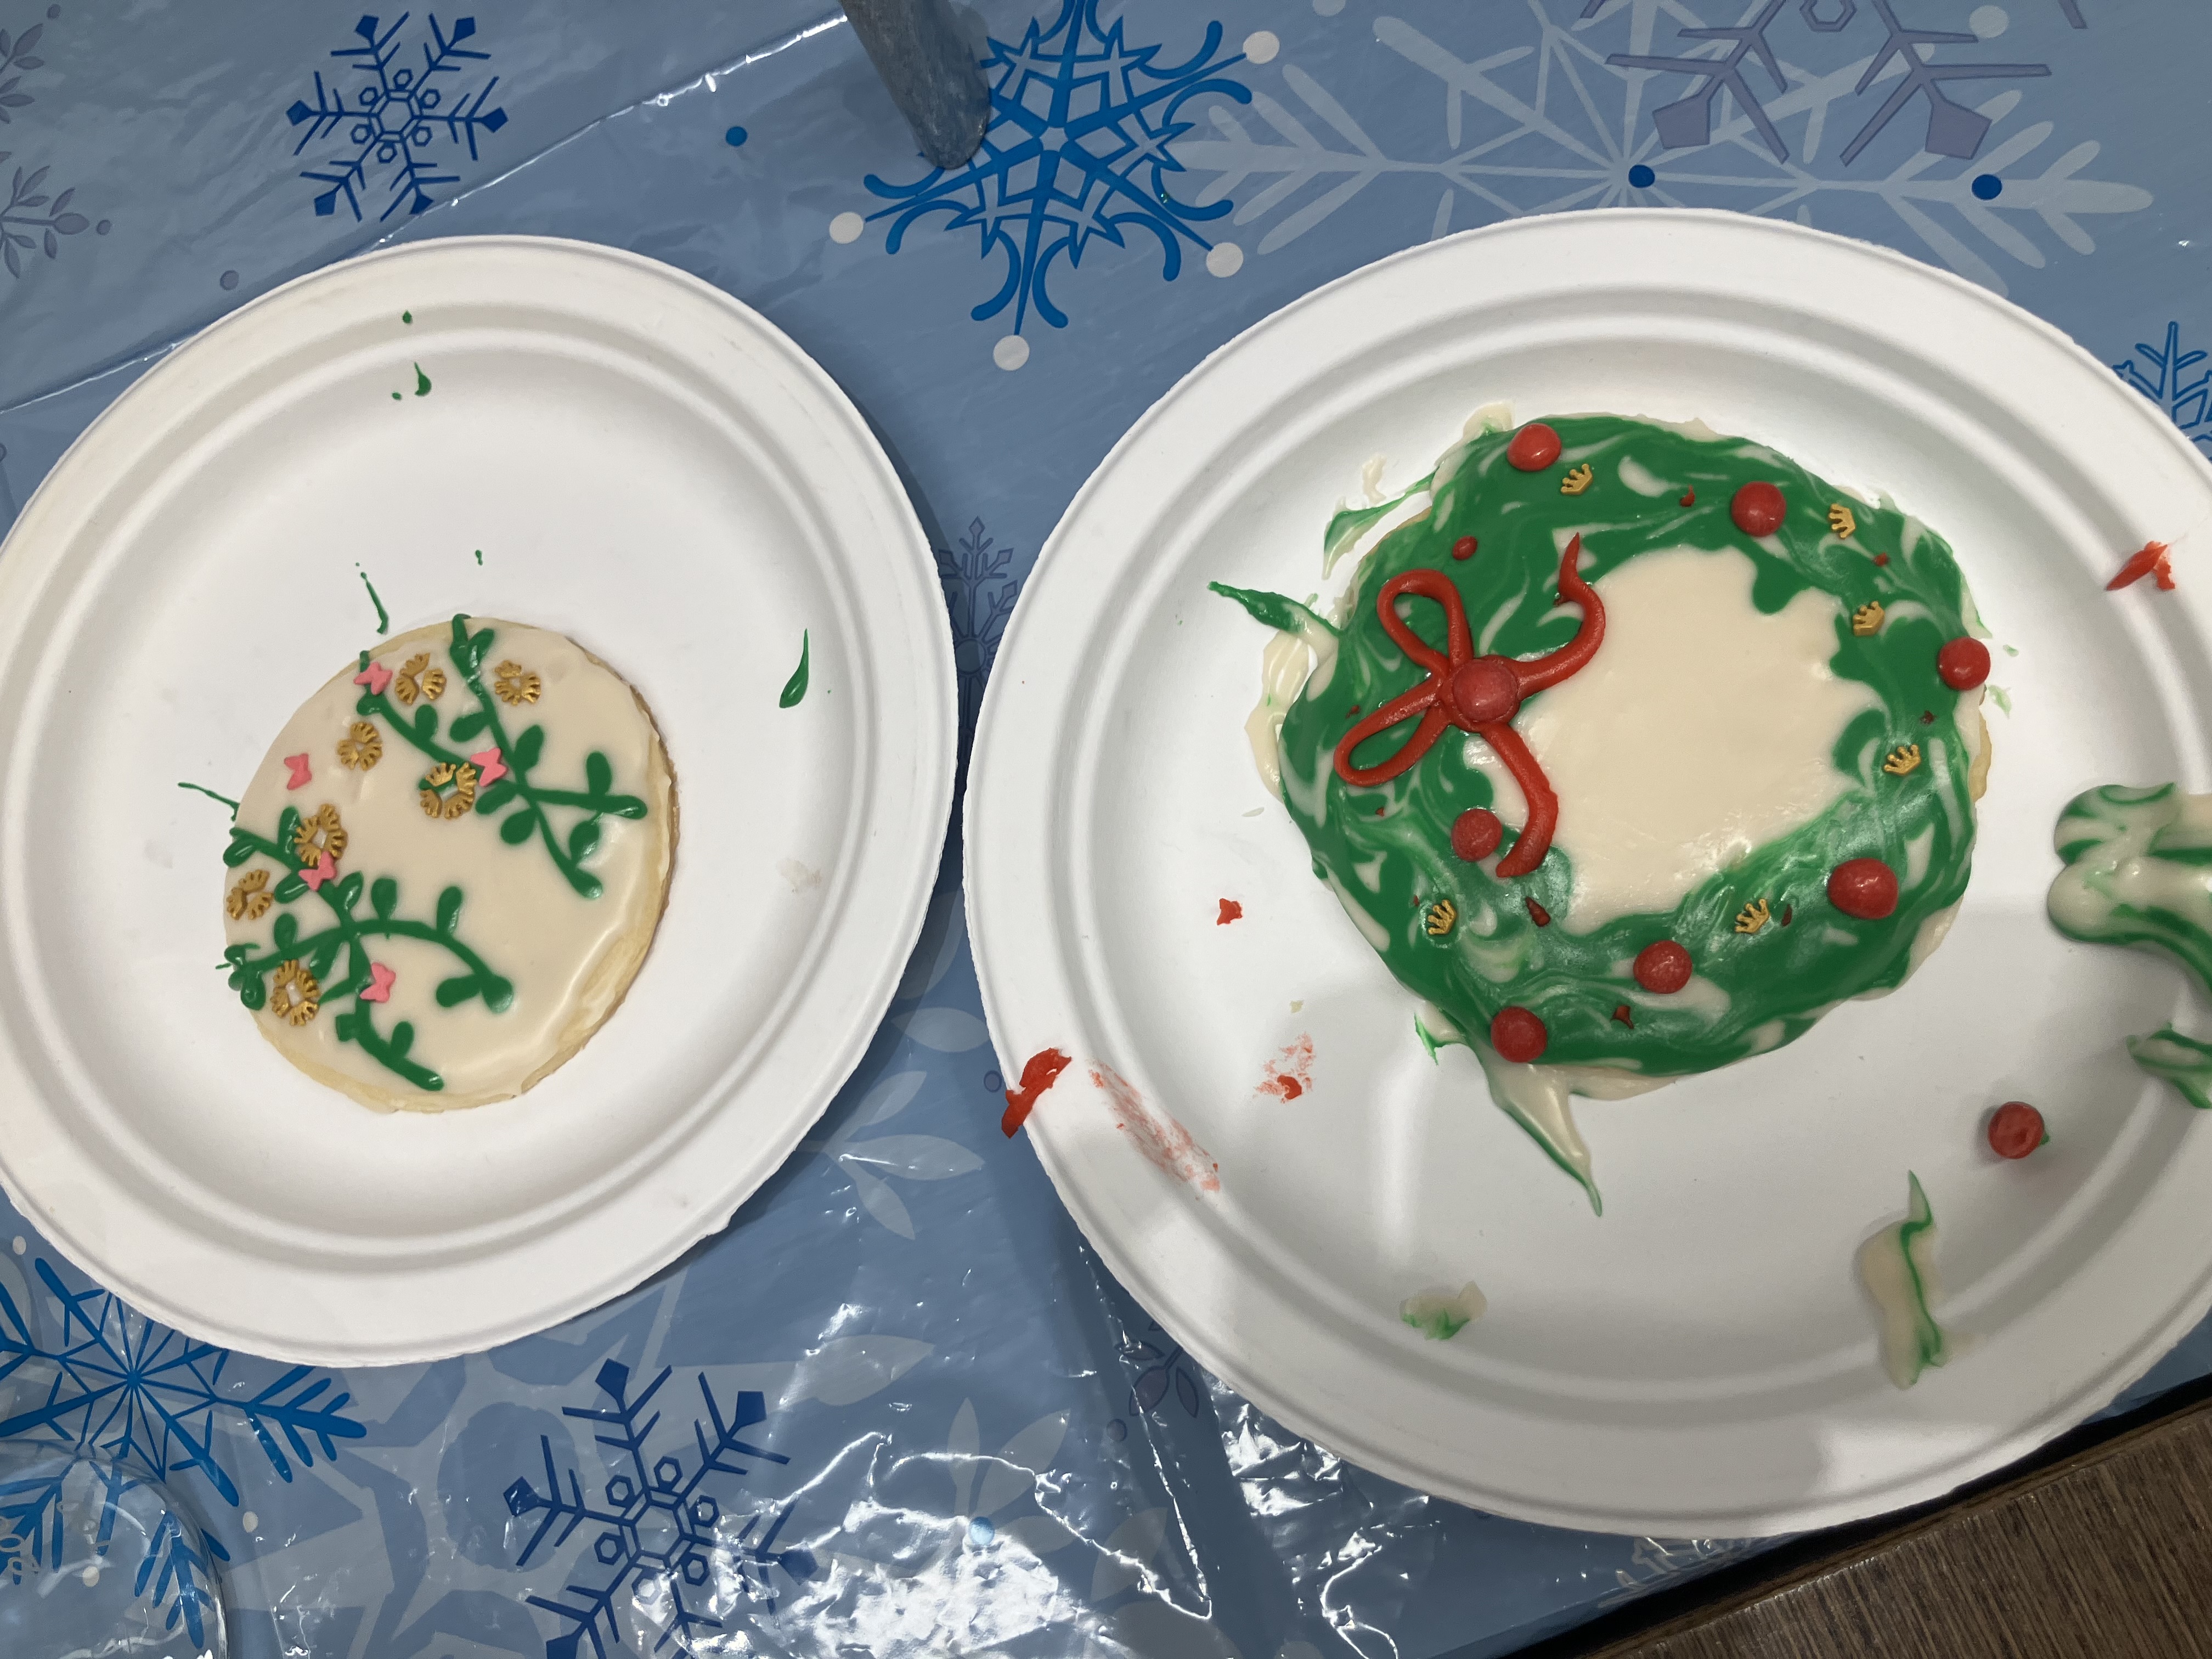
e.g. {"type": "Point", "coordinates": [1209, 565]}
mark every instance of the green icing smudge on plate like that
{"type": "Point", "coordinates": [1897, 1264]}
{"type": "Point", "coordinates": [795, 687]}
{"type": "Point", "coordinates": [383, 620]}
{"type": "Point", "coordinates": [2181, 1060]}
{"type": "Point", "coordinates": [2138, 871]}
{"type": "Point", "coordinates": [1441, 1314]}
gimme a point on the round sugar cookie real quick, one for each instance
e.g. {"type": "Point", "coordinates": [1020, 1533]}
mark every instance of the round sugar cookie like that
{"type": "Point", "coordinates": [450, 866]}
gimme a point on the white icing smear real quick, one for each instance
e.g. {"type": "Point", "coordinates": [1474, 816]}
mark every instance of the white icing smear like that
{"type": "Point", "coordinates": [1701, 729]}
{"type": "Point", "coordinates": [1442, 1315]}
{"type": "Point", "coordinates": [2123, 870]}
{"type": "Point", "coordinates": [1289, 663]}
{"type": "Point", "coordinates": [1640, 479]}
{"type": "Point", "coordinates": [1535, 1097]}
{"type": "Point", "coordinates": [1900, 1271]}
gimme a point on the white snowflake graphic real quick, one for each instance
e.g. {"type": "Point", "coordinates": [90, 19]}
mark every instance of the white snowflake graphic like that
{"type": "Point", "coordinates": [1559, 122]}
{"type": "Point", "coordinates": [869, 1164]}
{"type": "Point", "coordinates": [394, 122]}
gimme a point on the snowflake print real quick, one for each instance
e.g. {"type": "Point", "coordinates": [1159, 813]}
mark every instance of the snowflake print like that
{"type": "Point", "coordinates": [1080, 147]}
{"type": "Point", "coordinates": [2164, 377]}
{"type": "Point", "coordinates": [980, 586]}
{"type": "Point", "coordinates": [871, 1165]}
{"type": "Point", "coordinates": [1162, 1363]}
{"type": "Point", "coordinates": [663, 1544]}
{"type": "Point", "coordinates": [394, 122]}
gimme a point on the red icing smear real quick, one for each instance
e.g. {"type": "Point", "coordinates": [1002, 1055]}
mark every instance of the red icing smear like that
{"type": "Point", "coordinates": [1042, 1071]}
{"type": "Point", "coordinates": [1292, 1075]}
{"type": "Point", "coordinates": [1165, 1144]}
{"type": "Point", "coordinates": [2150, 562]}
{"type": "Point", "coordinates": [1480, 694]}
{"type": "Point", "coordinates": [1230, 911]}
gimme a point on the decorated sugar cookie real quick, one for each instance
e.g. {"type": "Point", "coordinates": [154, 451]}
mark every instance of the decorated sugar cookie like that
{"type": "Point", "coordinates": [449, 868]}
{"type": "Point", "coordinates": [1633, 750]}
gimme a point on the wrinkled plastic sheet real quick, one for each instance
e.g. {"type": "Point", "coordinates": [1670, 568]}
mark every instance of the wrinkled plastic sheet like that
{"type": "Point", "coordinates": [897, 1408]}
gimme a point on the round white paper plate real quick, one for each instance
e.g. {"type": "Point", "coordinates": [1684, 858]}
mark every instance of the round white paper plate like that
{"type": "Point", "coordinates": [646, 465]}
{"type": "Point", "coordinates": [1701, 1361]}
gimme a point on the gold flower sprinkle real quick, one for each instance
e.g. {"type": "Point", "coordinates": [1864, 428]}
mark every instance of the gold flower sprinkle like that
{"type": "Point", "coordinates": [416, 678]}
{"type": "Point", "coordinates": [1867, 619]}
{"type": "Point", "coordinates": [449, 791]}
{"type": "Point", "coordinates": [1576, 480]}
{"type": "Point", "coordinates": [361, 747]}
{"type": "Point", "coordinates": [322, 833]}
{"type": "Point", "coordinates": [1441, 916]}
{"type": "Point", "coordinates": [1753, 917]}
{"type": "Point", "coordinates": [249, 901]}
{"type": "Point", "coordinates": [294, 995]}
{"type": "Point", "coordinates": [1902, 759]}
{"type": "Point", "coordinates": [516, 684]}
{"type": "Point", "coordinates": [1841, 521]}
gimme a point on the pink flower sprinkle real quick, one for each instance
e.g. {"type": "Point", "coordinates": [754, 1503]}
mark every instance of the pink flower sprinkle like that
{"type": "Point", "coordinates": [301, 777]}
{"type": "Point", "coordinates": [376, 677]}
{"type": "Point", "coordinates": [487, 763]}
{"type": "Point", "coordinates": [319, 873]}
{"type": "Point", "coordinates": [381, 982]}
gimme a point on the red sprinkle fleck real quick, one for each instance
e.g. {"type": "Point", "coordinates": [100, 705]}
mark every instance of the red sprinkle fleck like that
{"type": "Point", "coordinates": [1689, 499]}
{"type": "Point", "coordinates": [1963, 663]}
{"type": "Point", "coordinates": [1663, 966]}
{"type": "Point", "coordinates": [1538, 914]}
{"type": "Point", "coordinates": [1230, 911]}
{"type": "Point", "coordinates": [1788, 911]}
{"type": "Point", "coordinates": [1927, 717]}
{"type": "Point", "coordinates": [1865, 888]}
{"type": "Point", "coordinates": [2150, 562]}
{"type": "Point", "coordinates": [1463, 548]}
{"type": "Point", "coordinates": [1881, 558]}
{"type": "Point", "coordinates": [1535, 447]}
{"type": "Point", "coordinates": [2015, 1129]}
{"type": "Point", "coordinates": [1042, 1071]}
{"type": "Point", "coordinates": [1352, 711]}
{"type": "Point", "coordinates": [1380, 809]}
{"type": "Point", "coordinates": [1757, 508]}
{"type": "Point", "coordinates": [1475, 834]}
{"type": "Point", "coordinates": [1624, 1016]}
{"type": "Point", "coordinates": [1518, 1035]}
{"type": "Point", "coordinates": [1292, 1075]}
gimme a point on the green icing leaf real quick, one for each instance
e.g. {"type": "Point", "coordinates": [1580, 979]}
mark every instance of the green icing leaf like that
{"type": "Point", "coordinates": [469, 726]}
{"type": "Point", "coordinates": [286, 933]}
{"type": "Point", "coordinates": [1272, 609]}
{"type": "Point", "coordinates": [527, 748]}
{"type": "Point", "coordinates": [584, 840]}
{"type": "Point", "coordinates": [384, 897]}
{"type": "Point", "coordinates": [518, 828]}
{"type": "Point", "coordinates": [599, 774]}
{"type": "Point", "coordinates": [449, 909]}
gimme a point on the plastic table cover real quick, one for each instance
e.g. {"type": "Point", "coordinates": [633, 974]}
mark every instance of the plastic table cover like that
{"type": "Point", "coordinates": [896, 1408]}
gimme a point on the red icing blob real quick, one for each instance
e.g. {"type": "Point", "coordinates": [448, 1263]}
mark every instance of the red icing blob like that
{"type": "Point", "coordinates": [1963, 663]}
{"type": "Point", "coordinates": [1663, 967]}
{"type": "Point", "coordinates": [1757, 508]}
{"type": "Point", "coordinates": [1865, 888]}
{"type": "Point", "coordinates": [1039, 1074]}
{"type": "Point", "coordinates": [1517, 1034]}
{"type": "Point", "coordinates": [1230, 911]}
{"type": "Point", "coordinates": [1538, 914]}
{"type": "Point", "coordinates": [2015, 1129]}
{"type": "Point", "coordinates": [2151, 561]}
{"type": "Point", "coordinates": [1535, 447]}
{"type": "Point", "coordinates": [1463, 548]}
{"type": "Point", "coordinates": [1476, 833]}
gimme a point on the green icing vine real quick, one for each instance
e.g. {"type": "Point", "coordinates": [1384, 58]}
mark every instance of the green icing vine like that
{"type": "Point", "coordinates": [521, 754]}
{"type": "Point", "coordinates": [250, 970]}
{"type": "Point", "coordinates": [2181, 1060]}
{"type": "Point", "coordinates": [1396, 865]}
{"type": "Point", "coordinates": [2138, 871]}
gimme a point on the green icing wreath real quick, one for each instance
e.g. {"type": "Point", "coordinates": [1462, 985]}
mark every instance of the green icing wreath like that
{"type": "Point", "coordinates": [1387, 849]}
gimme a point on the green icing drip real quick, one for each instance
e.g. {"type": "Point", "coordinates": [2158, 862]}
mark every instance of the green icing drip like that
{"type": "Point", "coordinates": [1273, 609]}
{"type": "Point", "coordinates": [422, 382]}
{"type": "Point", "coordinates": [795, 687]}
{"type": "Point", "coordinates": [1779, 980]}
{"type": "Point", "coordinates": [596, 799]}
{"type": "Point", "coordinates": [406, 316]}
{"type": "Point", "coordinates": [383, 620]}
{"type": "Point", "coordinates": [349, 934]}
{"type": "Point", "coordinates": [2183, 1061]}
{"type": "Point", "coordinates": [2138, 871]}
{"type": "Point", "coordinates": [203, 789]}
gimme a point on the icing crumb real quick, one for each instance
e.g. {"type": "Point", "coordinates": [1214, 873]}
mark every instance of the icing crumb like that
{"type": "Point", "coordinates": [2151, 561]}
{"type": "Point", "coordinates": [1442, 1315]}
{"type": "Point", "coordinates": [1230, 911]}
{"type": "Point", "coordinates": [1291, 1074]}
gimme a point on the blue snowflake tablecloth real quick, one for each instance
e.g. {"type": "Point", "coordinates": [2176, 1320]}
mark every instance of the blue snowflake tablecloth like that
{"type": "Point", "coordinates": [896, 1408]}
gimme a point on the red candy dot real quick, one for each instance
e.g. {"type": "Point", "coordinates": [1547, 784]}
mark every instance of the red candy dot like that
{"type": "Point", "coordinates": [1517, 1034]}
{"type": "Point", "coordinates": [2015, 1129]}
{"type": "Point", "coordinates": [1757, 508]}
{"type": "Point", "coordinates": [1865, 888]}
{"type": "Point", "coordinates": [1476, 833]}
{"type": "Point", "coordinates": [1963, 663]}
{"type": "Point", "coordinates": [1463, 548]}
{"type": "Point", "coordinates": [1663, 967]}
{"type": "Point", "coordinates": [1535, 447]}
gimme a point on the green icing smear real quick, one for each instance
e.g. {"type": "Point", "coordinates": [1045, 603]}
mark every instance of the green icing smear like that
{"type": "Point", "coordinates": [1440, 1315]}
{"type": "Point", "coordinates": [383, 620]}
{"type": "Point", "coordinates": [795, 688]}
{"type": "Point", "coordinates": [1897, 1264]}
{"type": "Point", "coordinates": [2181, 1060]}
{"type": "Point", "coordinates": [1773, 985]}
{"type": "Point", "coordinates": [2138, 871]}
{"type": "Point", "coordinates": [201, 788]}
{"type": "Point", "coordinates": [422, 382]}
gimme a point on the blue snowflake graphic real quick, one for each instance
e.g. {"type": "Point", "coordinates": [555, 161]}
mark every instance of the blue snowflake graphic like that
{"type": "Point", "coordinates": [32, 1532]}
{"type": "Point", "coordinates": [1080, 147]}
{"type": "Point", "coordinates": [2163, 377]}
{"type": "Point", "coordinates": [662, 1534]}
{"type": "Point", "coordinates": [143, 1403]}
{"type": "Point", "coordinates": [391, 123]}
{"type": "Point", "coordinates": [1688, 122]}
{"type": "Point", "coordinates": [980, 586]}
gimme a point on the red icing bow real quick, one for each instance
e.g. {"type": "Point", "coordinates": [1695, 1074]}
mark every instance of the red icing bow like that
{"type": "Point", "coordinates": [1480, 694]}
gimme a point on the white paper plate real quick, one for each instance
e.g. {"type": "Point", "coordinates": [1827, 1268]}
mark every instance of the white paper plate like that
{"type": "Point", "coordinates": [1701, 1361]}
{"type": "Point", "coordinates": [646, 465]}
